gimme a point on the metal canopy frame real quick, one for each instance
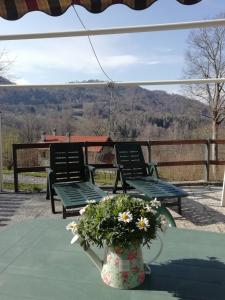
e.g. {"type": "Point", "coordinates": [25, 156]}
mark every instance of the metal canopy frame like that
{"type": "Point", "coordinates": [116, 84]}
{"type": "Point", "coordinates": [118, 30]}
{"type": "Point", "coordinates": [115, 30]}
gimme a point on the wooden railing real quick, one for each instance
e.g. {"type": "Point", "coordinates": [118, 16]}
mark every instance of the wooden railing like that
{"type": "Point", "coordinates": [206, 161]}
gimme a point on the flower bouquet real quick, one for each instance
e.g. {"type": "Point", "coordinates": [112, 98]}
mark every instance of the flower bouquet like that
{"type": "Point", "coordinates": [121, 224]}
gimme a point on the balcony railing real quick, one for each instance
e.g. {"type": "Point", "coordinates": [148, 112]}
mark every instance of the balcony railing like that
{"type": "Point", "coordinates": [180, 155]}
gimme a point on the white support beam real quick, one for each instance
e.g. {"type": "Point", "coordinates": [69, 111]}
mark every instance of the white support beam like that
{"type": "Point", "coordinates": [1, 156]}
{"type": "Point", "coordinates": [116, 84]}
{"type": "Point", "coordinates": [116, 30]}
{"type": "Point", "coordinates": [223, 192]}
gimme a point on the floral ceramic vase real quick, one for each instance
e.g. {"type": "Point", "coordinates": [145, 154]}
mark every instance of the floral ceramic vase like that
{"type": "Point", "coordinates": [123, 268]}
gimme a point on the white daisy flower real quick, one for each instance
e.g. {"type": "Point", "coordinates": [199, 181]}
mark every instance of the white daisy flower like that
{"type": "Point", "coordinates": [72, 226]}
{"type": "Point", "coordinates": [142, 224]}
{"type": "Point", "coordinates": [108, 197]}
{"type": "Point", "coordinates": [155, 203]}
{"type": "Point", "coordinates": [125, 217]}
{"type": "Point", "coordinates": [139, 199]}
{"type": "Point", "coordinates": [150, 209]}
{"type": "Point", "coordinates": [90, 201]}
{"type": "Point", "coordinates": [82, 210]}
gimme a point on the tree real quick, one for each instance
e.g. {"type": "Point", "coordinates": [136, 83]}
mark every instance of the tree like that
{"type": "Point", "coordinates": [10, 136]}
{"type": "Point", "coordinates": [5, 63]}
{"type": "Point", "coordinates": [205, 58]}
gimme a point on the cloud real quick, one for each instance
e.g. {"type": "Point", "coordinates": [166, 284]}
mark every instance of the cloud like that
{"type": "Point", "coordinates": [171, 89]}
{"type": "Point", "coordinates": [40, 59]}
{"type": "Point", "coordinates": [20, 80]}
{"type": "Point", "coordinates": [63, 60]}
{"type": "Point", "coordinates": [120, 61]}
{"type": "Point", "coordinates": [164, 59]}
{"type": "Point", "coordinates": [152, 62]}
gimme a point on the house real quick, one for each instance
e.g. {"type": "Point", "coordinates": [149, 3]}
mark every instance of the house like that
{"type": "Point", "coordinates": [96, 154]}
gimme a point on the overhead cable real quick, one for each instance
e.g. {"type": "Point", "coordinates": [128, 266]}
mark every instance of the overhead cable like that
{"type": "Point", "coordinates": [91, 44]}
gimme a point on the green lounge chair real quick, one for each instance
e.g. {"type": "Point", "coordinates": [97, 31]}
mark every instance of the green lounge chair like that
{"type": "Point", "coordinates": [135, 173]}
{"type": "Point", "coordinates": [70, 179]}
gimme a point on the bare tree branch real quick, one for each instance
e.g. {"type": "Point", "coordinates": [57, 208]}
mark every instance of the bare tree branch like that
{"type": "Point", "coordinates": [205, 58]}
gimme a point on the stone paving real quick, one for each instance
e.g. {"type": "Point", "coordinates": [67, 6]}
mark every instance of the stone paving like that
{"type": "Point", "coordinates": [201, 210]}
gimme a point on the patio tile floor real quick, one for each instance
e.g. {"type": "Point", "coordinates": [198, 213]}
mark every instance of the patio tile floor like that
{"type": "Point", "coordinates": [201, 209]}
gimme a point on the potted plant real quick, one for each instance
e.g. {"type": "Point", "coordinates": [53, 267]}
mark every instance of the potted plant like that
{"type": "Point", "coordinates": [122, 224]}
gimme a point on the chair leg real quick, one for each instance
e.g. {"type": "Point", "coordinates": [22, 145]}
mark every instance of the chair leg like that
{"type": "Point", "coordinates": [52, 203]}
{"type": "Point", "coordinates": [179, 205]}
{"type": "Point", "coordinates": [64, 212]}
{"type": "Point", "coordinates": [47, 192]}
{"type": "Point", "coordinates": [92, 178]}
{"type": "Point", "coordinates": [116, 182]}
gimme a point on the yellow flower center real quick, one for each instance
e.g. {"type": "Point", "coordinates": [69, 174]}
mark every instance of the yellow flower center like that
{"type": "Point", "coordinates": [142, 223]}
{"type": "Point", "coordinates": [125, 217]}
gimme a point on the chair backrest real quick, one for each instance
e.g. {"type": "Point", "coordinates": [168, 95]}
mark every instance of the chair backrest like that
{"type": "Point", "coordinates": [131, 160]}
{"type": "Point", "coordinates": [67, 162]}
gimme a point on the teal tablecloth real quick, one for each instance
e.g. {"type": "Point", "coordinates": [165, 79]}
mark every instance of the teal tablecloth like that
{"type": "Point", "coordinates": [38, 262]}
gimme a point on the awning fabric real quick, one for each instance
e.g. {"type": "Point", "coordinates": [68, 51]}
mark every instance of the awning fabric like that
{"type": "Point", "coordinates": [15, 9]}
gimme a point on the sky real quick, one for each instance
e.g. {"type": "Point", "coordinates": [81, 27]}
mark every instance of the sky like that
{"type": "Point", "coordinates": [125, 57]}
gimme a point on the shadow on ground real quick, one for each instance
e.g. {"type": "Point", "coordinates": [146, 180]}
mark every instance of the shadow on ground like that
{"type": "Point", "coordinates": [195, 279]}
{"type": "Point", "coordinates": [205, 192]}
{"type": "Point", "coordinates": [201, 208]}
{"type": "Point", "coordinates": [200, 214]}
{"type": "Point", "coordinates": [9, 205]}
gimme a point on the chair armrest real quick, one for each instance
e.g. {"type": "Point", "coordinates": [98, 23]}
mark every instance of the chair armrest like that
{"type": "Point", "coordinates": [91, 168]}
{"type": "Point", "coordinates": [48, 171]}
{"type": "Point", "coordinates": [118, 166]}
{"type": "Point", "coordinates": [90, 172]}
{"type": "Point", "coordinates": [49, 183]}
{"type": "Point", "coordinates": [50, 174]}
{"type": "Point", "coordinates": [152, 169]}
{"type": "Point", "coordinates": [152, 164]}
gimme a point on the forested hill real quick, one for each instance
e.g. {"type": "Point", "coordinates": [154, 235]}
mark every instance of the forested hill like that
{"type": "Point", "coordinates": [4, 80]}
{"type": "Point", "coordinates": [130, 110]}
{"type": "Point", "coordinates": [140, 98]}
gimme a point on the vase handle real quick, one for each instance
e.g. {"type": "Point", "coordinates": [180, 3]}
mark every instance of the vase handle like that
{"type": "Point", "coordinates": [146, 266]}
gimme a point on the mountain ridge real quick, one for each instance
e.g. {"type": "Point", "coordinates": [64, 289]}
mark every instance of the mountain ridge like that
{"type": "Point", "coordinates": [128, 111]}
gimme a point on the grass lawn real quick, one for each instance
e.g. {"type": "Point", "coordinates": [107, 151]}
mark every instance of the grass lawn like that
{"type": "Point", "coordinates": [28, 187]}
{"type": "Point", "coordinates": [101, 178]}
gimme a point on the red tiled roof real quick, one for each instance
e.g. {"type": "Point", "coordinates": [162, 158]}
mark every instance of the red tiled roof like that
{"type": "Point", "coordinates": [79, 139]}
{"type": "Point", "coordinates": [55, 138]}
